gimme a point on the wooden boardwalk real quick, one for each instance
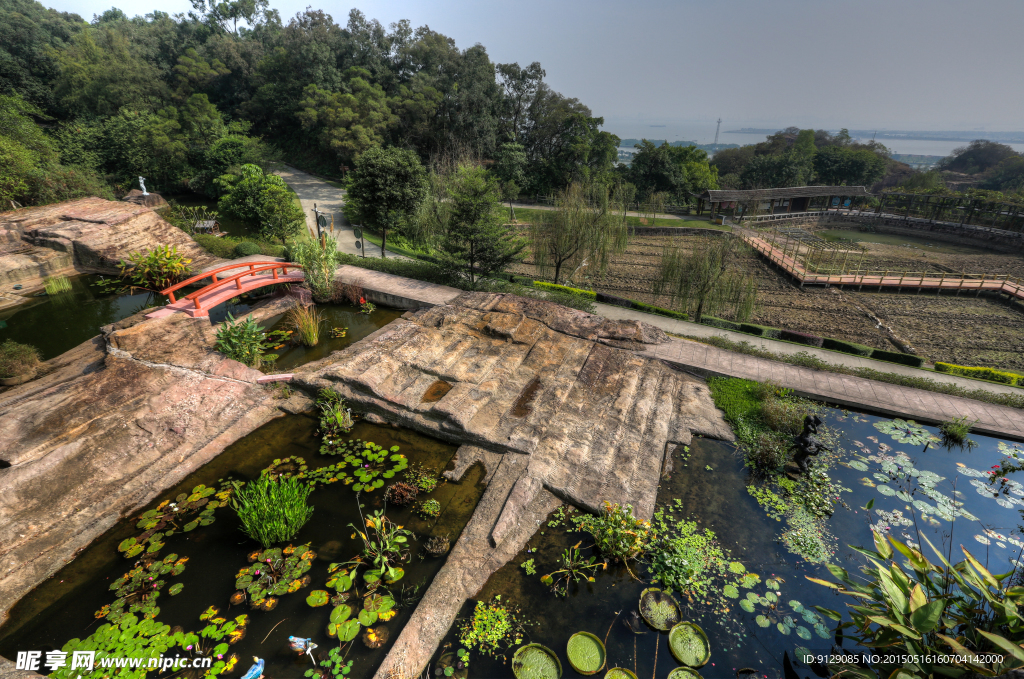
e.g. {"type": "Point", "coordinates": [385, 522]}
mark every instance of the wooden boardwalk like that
{"type": "Point", "coordinates": [921, 281]}
{"type": "Point", "coordinates": [844, 390]}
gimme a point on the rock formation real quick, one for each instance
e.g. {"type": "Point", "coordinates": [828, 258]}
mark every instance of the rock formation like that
{"type": "Point", "coordinates": [112, 424]}
{"type": "Point", "coordinates": [552, 400]}
{"type": "Point", "coordinates": [89, 234]}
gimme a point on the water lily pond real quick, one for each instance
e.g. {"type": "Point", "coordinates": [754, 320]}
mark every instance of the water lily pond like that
{"type": "Point", "coordinates": [207, 561]}
{"type": "Point", "coordinates": [748, 590]}
{"type": "Point", "coordinates": [745, 559]}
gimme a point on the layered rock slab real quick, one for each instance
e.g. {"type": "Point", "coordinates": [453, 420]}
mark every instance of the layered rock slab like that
{"type": "Point", "coordinates": [118, 420]}
{"type": "Point", "coordinates": [556, 399]}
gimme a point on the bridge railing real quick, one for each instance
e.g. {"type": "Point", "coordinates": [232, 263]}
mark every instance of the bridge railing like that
{"type": "Point", "coordinates": [253, 269]}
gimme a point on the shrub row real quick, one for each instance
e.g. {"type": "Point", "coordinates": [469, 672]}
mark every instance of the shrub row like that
{"type": "Point", "coordinates": [815, 341]}
{"type": "Point", "coordinates": [991, 374]}
{"type": "Point", "coordinates": [229, 248]}
{"type": "Point", "coordinates": [590, 294]}
{"type": "Point", "coordinates": [678, 315]}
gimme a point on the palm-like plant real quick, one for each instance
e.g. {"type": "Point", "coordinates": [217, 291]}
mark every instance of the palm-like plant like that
{"type": "Point", "coordinates": [947, 620]}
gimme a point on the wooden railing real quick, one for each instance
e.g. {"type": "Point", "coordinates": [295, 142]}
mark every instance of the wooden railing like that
{"type": "Point", "coordinates": [253, 269]}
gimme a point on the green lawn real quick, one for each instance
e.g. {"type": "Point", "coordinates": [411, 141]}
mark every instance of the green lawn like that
{"type": "Point", "coordinates": [526, 215]}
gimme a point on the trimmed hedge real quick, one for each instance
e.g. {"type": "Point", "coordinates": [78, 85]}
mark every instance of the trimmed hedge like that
{"type": "Point", "coordinates": [678, 315]}
{"type": "Point", "coordinates": [801, 338]}
{"type": "Point", "coordinates": [765, 331]}
{"type": "Point", "coordinates": [896, 357]}
{"type": "Point", "coordinates": [245, 249]}
{"type": "Point", "coordinates": [847, 347]}
{"type": "Point", "coordinates": [1013, 379]}
{"type": "Point", "coordinates": [720, 323]}
{"type": "Point", "coordinates": [225, 247]}
{"type": "Point", "coordinates": [590, 294]}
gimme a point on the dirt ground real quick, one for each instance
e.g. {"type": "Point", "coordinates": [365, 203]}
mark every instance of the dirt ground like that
{"type": "Point", "coordinates": [963, 329]}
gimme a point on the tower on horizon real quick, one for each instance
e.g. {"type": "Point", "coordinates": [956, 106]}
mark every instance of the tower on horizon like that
{"type": "Point", "coordinates": [716, 131]}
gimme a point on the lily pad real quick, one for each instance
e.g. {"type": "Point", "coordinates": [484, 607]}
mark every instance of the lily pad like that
{"type": "Point", "coordinates": [341, 613]}
{"type": "Point", "coordinates": [803, 632]}
{"type": "Point", "coordinates": [730, 591]}
{"type": "Point", "coordinates": [348, 630]}
{"type": "Point", "coordinates": [534, 661]}
{"type": "Point", "coordinates": [660, 609]}
{"type": "Point", "coordinates": [619, 673]}
{"type": "Point", "coordinates": [858, 465]}
{"type": "Point", "coordinates": [747, 605]}
{"type": "Point", "coordinates": [762, 621]}
{"type": "Point", "coordinates": [317, 597]}
{"type": "Point", "coordinates": [367, 618]}
{"type": "Point", "coordinates": [782, 628]}
{"type": "Point", "coordinates": [175, 588]}
{"type": "Point", "coordinates": [586, 653]}
{"type": "Point", "coordinates": [689, 644]}
{"type": "Point", "coordinates": [885, 490]}
{"type": "Point", "coordinates": [684, 673]}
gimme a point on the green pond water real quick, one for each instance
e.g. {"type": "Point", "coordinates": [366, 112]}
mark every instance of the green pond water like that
{"type": "Point", "coordinates": [915, 242]}
{"type": "Point", "coordinates": [56, 323]}
{"type": "Point", "coordinates": [718, 500]}
{"type": "Point", "coordinates": [914, 489]}
{"type": "Point", "coordinates": [356, 324]}
{"type": "Point", "coordinates": [64, 606]}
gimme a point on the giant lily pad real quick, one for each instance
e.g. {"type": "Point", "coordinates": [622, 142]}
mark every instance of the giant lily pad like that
{"type": "Point", "coordinates": [619, 673]}
{"type": "Point", "coordinates": [534, 661]}
{"type": "Point", "coordinates": [659, 609]}
{"type": "Point", "coordinates": [684, 673]}
{"type": "Point", "coordinates": [586, 653]}
{"type": "Point", "coordinates": [689, 644]}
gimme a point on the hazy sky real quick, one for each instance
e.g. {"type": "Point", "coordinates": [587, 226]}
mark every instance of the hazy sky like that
{"type": "Point", "coordinates": [897, 64]}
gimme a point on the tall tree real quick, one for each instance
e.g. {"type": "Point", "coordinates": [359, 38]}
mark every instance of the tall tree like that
{"type": "Point", "coordinates": [263, 200]}
{"type": "Point", "coordinates": [476, 239]}
{"type": "Point", "coordinates": [510, 168]}
{"type": "Point", "coordinates": [385, 188]}
{"type": "Point", "coordinates": [520, 86]}
{"type": "Point", "coordinates": [583, 231]}
{"type": "Point", "coordinates": [707, 278]}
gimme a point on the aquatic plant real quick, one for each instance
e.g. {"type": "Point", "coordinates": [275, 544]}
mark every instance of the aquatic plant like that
{"type": "Point", "coordinates": [335, 419]}
{"type": "Point", "coordinates": [17, 359]}
{"type": "Point", "coordinates": [534, 661]}
{"type": "Point", "coordinates": [618, 534]}
{"type": "Point", "coordinates": [272, 510]}
{"type": "Point", "coordinates": [529, 567]}
{"type": "Point", "coordinates": [586, 653]}
{"type": "Point", "coordinates": [421, 477]}
{"type": "Point", "coordinates": [375, 637]}
{"type": "Point", "coordinates": [306, 322]}
{"type": "Point", "coordinates": [247, 342]}
{"type": "Point", "coordinates": [367, 307]}
{"type": "Point", "coordinates": [805, 537]}
{"type": "Point", "coordinates": [138, 589]}
{"type": "Point", "coordinates": [274, 572]}
{"type": "Point", "coordinates": [905, 431]}
{"type": "Point", "coordinates": [439, 545]}
{"type": "Point", "coordinates": [318, 260]}
{"type": "Point", "coordinates": [574, 568]}
{"type": "Point", "coordinates": [955, 430]}
{"type": "Point", "coordinates": [689, 644]}
{"type": "Point", "coordinates": [961, 616]}
{"type": "Point", "coordinates": [683, 557]}
{"type": "Point", "coordinates": [185, 513]}
{"type": "Point", "coordinates": [619, 673]}
{"type": "Point", "coordinates": [385, 544]}
{"type": "Point", "coordinates": [493, 627]}
{"type": "Point", "coordinates": [160, 268]}
{"type": "Point", "coordinates": [400, 493]}
{"type": "Point", "coordinates": [690, 673]}
{"type": "Point", "coordinates": [453, 664]}
{"type": "Point", "coordinates": [57, 284]}
{"type": "Point", "coordinates": [429, 509]}
{"type": "Point", "coordinates": [338, 333]}
{"type": "Point", "coordinates": [296, 467]}
{"type": "Point", "coordinates": [370, 464]}
{"type": "Point", "coordinates": [659, 609]}
{"type": "Point", "coordinates": [331, 665]}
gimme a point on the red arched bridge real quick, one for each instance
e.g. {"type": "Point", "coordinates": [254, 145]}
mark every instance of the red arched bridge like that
{"type": "Point", "coordinates": [255, 275]}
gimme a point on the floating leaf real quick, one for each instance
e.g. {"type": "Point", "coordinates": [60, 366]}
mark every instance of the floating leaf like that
{"type": "Point", "coordinates": [885, 490]}
{"type": "Point", "coordinates": [534, 661]}
{"type": "Point", "coordinates": [737, 567]}
{"type": "Point", "coordinates": [747, 605]}
{"type": "Point", "coordinates": [803, 632]}
{"type": "Point", "coordinates": [317, 597]}
{"type": "Point", "coordinates": [858, 465]}
{"type": "Point", "coordinates": [660, 609]}
{"type": "Point", "coordinates": [175, 588]}
{"type": "Point", "coordinates": [689, 644]}
{"type": "Point", "coordinates": [730, 591]}
{"type": "Point", "coordinates": [762, 621]}
{"type": "Point", "coordinates": [341, 613]}
{"type": "Point", "coordinates": [348, 630]}
{"type": "Point", "coordinates": [586, 653]}
{"type": "Point", "coordinates": [782, 628]}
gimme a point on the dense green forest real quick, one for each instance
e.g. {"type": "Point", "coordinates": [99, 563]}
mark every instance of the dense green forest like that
{"type": "Point", "coordinates": [181, 99]}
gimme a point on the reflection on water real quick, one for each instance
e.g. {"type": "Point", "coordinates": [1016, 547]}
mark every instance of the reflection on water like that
{"type": "Point", "coordinates": [343, 316]}
{"type": "Point", "coordinates": [916, 242]}
{"type": "Point", "coordinates": [718, 500]}
{"type": "Point", "coordinates": [63, 607]}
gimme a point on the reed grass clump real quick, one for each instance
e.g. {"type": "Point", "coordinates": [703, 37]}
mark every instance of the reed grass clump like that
{"type": "Point", "coordinates": [306, 321]}
{"type": "Point", "coordinates": [954, 432]}
{"type": "Point", "coordinates": [57, 284]}
{"type": "Point", "coordinates": [273, 510]}
{"type": "Point", "coordinates": [17, 359]}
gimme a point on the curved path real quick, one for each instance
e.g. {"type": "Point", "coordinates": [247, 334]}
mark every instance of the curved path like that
{"type": "Point", "coordinates": [329, 199]}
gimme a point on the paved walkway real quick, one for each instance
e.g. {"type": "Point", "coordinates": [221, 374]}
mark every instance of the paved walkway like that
{"type": "Point", "coordinates": [329, 200]}
{"type": "Point", "coordinates": [671, 325]}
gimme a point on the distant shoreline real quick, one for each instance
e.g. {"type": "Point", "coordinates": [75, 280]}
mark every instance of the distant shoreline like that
{"type": "Point", "coordinates": [954, 136]}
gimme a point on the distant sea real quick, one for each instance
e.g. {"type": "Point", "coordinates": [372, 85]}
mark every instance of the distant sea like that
{"type": "Point", "coordinates": [704, 133]}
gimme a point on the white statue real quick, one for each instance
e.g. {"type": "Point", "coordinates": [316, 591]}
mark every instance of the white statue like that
{"type": "Point", "coordinates": [142, 184]}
